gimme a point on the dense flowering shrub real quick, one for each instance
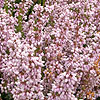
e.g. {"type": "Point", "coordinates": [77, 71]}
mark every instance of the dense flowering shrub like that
{"type": "Point", "coordinates": [49, 50]}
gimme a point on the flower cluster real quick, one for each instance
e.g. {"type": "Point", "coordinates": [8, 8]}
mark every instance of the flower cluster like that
{"type": "Point", "coordinates": [50, 51]}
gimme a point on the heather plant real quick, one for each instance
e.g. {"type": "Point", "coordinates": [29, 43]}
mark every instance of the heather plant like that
{"type": "Point", "coordinates": [49, 49]}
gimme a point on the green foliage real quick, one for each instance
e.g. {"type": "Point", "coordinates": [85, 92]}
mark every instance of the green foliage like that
{"type": "Point", "coordinates": [84, 45]}
{"type": "Point", "coordinates": [17, 1]}
{"type": "Point", "coordinates": [35, 28]}
{"type": "Point", "coordinates": [29, 12]}
{"type": "Point", "coordinates": [98, 98]}
{"type": "Point", "coordinates": [7, 51]}
{"type": "Point", "coordinates": [80, 23]}
{"type": "Point", "coordinates": [42, 72]}
{"type": "Point", "coordinates": [92, 36]}
{"type": "Point", "coordinates": [36, 51]}
{"type": "Point", "coordinates": [42, 2]}
{"type": "Point", "coordinates": [6, 96]}
{"type": "Point", "coordinates": [19, 28]}
{"type": "Point", "coordinates": [9, 8]}
{"type": "Point", "coordinates": [39, 1]}
{"type": "Point", "coordinates": [13, 12]}
{"type": "Point", "coordinates": [52, 37]}
{"type": "Point", "coordinates": [6, 6]}
{"type": "Point", "coordinates": [23, 35]}
{"type": "Point", "coordinates": [50, 22]}
{"type": "Point", "coordinates": [75, 10]}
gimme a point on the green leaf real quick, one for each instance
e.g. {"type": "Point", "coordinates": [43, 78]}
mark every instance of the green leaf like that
{"type": "Point", "coordinates": [42, 72]}
{"type": "Point", "coordinates": [18, 28]}
{"type": "Point", "coordinates": [39, 1]}
{"type": "Point", "coordinates": [84, 45]}
{"type": "Point", "coordinates": [6, 6]}
{"type": "Point", "coordinates": [52, 37]}
{"type": "Point", "coordinates": [42, 2]}
{"type": "Point", "coordinates": [36, 51]}
{"type": "Point", "coordinates": [7, 51]}
{"type": "Point", "coordinates": [22, 34]}
{"type": "Point", "coordinates": [17, 1]}
{"type": "Point", "coordinates": [6, 96]}
{"type": "Point", "coordinates": [80, 23]}
{"type": "Point", "coordinates": [85, 24]}
{"type": "Point", "coordinates": [36, 21]}
{"type": "Point", "coordinates": [71, 9]}
{"type": "Point", "coordinates": [92, 36]}
{"type": "Point", "coordinates": [35, 28]}
{"type": "Point", "coordinates": [98, 98]}
{"type": "Point", "coordinates": [29, 12]}
{"type": "Point", "coordinates": [90, 7]}
{"type": "Point", "coordinates": [13, 12]}
{"type": "Point", "coordinates": [76, 10]}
